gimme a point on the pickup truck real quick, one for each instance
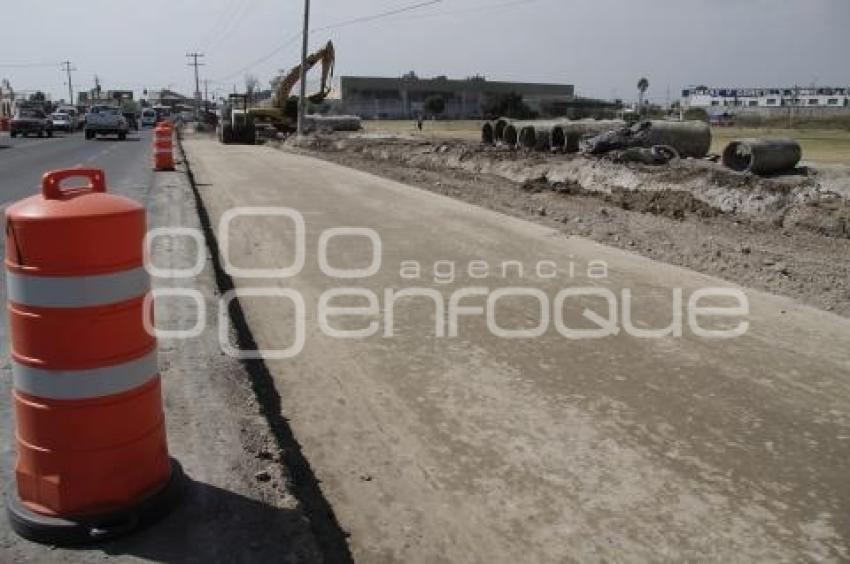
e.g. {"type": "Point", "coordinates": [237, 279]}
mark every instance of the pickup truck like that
{"type": "Point", "coordinates": [30, 120]}
{"type": "Point", "coordinates": [106, 120]}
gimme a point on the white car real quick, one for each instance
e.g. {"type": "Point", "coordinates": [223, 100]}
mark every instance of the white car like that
{"type": "Point", "coordinates": [148, 118]}
{"type": "Point", "coordinates": [62, 121]}
{"type": "Point", "coordinates": [73, 115]}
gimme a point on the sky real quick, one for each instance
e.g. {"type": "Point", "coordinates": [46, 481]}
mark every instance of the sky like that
{"type": "Point", "coordinates": [601, 46]}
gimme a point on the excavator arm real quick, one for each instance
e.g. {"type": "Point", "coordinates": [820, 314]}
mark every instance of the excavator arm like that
{"type": "Point", "coordinates": [327, 56]}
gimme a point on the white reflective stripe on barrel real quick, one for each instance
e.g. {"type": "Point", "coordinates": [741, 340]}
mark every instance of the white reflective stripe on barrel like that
{"type": "Point", "coordinates": [77, 291]}
{"type": "Point", "coordinates": [85, 384]}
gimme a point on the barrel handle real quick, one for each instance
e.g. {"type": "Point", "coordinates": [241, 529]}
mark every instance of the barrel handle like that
{"type": "Point", "coordinates": [51, 181]}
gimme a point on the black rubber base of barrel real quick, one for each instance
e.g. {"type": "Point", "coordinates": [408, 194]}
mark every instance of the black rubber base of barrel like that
{"type": "Point", "coordinates": [93, 529]}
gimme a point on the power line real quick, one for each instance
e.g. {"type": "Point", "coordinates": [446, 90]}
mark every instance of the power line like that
{"type": "Point", "coordinates": [474, 9]}
{"type": "Point", "coordinates": [294, 37]}
{"type": "Point", "coordinates": [233, 24]}
{"type": "Point", "coordinates": [364, 19]}
{"type": "Point", "coordinates": [289, 41]}
{"type": "Point", "coordinates": [220, 23]}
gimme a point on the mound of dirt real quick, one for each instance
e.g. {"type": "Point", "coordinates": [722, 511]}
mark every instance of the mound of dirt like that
{"type": "Point", "coordinates": [787, 235]}
{"type": "Point", "coordinates": [675, 204]}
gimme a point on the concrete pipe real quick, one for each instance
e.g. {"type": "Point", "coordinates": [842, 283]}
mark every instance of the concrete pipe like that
{"type": "Point", "coordinates": [510, 135]}
{"type": "Point", "coordinates": [762, 156]}
{"type": "Point", "coordinates": [487, 135]}
{"type": "Point", "coordinates": [499, 128]}
{"type": "Point", "coordinates": [689, 138]}
{"type": "Point", "coordinates": [566, 135]}
{"type": "Point", "coordinates": [549, 137]}
{"type": "Point", "coordinates": [513, 135]}
{"type": "Point", "coordinates": [527, 137]}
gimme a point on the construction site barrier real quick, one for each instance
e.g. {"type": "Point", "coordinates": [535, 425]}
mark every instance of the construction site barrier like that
{"type": "Point", "coordinates": [163, 147]}
{"type": "Point", "coordinates": [92, 459]}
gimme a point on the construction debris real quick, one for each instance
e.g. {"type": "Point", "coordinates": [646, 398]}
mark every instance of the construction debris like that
{"type": "Point", "coordinates": [762, 156]}
{"type": "Point", "coordinates": [657, 155]}
{"type": "Point", "coordinates": [687, 138]}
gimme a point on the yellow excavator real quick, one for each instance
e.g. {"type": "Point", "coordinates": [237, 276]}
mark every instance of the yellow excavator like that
{"type": "Point", "coordinates": [283, 113]}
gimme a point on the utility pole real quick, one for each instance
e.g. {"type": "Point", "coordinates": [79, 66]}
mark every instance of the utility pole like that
{"type": "Point", "coordinates": [66, 66]}
{"type": "Point", "coordinates": [206, 95]}
{"type": "Point", "coordinates": [194, 56]}
{"type": "Point", "coordinates": [302, 102]}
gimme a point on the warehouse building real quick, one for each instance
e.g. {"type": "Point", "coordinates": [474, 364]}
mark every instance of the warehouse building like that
{"type": "Point", "coordinates": [707, 98]}
{"type": "Point", "coordinates": [404, 98]}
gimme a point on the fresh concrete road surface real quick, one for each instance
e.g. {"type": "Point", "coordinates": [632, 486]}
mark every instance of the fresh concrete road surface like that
{"type": "Point", "coordinates": [482, 448]}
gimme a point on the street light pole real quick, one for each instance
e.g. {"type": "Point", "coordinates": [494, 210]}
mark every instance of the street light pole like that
{"type": "Point", "coordinates": [302, 102]}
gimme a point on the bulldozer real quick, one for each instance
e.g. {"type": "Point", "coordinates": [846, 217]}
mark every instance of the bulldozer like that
{"type": "Point", "coordinates": [283, 113]}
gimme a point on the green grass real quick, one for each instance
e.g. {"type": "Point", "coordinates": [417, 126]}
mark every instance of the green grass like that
{"type": "Point", "coordinates": [469, 130]}
{"type": "Point", "coordinates": [819, 145]}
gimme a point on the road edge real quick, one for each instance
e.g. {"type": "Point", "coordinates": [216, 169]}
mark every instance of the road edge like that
{"type": "Point", "coordinates": [330, 537]}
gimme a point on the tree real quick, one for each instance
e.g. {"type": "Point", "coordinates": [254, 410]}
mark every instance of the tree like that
{"type": "Point", "coordinates": [435, 105]}
{"type": "Point", "coordinates": [642, 86]}
{"type": "Point", "coordinates": [38, 96]}
{"type": "Point", "coordinates": [510, 105]}
{"type": "Point", "coordinates": [409, 75]}
{"type": "Point", "coordinates": [252, 84]}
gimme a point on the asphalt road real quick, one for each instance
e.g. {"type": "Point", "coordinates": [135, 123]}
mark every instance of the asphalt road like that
{"type": "Point", "coordinates": [480, 447]}
{"type": "Point", "coordinates": [23, 161]}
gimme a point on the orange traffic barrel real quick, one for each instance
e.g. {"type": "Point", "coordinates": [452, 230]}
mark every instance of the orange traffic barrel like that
{"type": "Point", "coordinates": [164, 130]}
{"type": "Point", "coordinates": [92, 459]}
{"type": "Point", "coordinates": [163, 155]}
{"type": "Point", "coordinates": [163, 148]}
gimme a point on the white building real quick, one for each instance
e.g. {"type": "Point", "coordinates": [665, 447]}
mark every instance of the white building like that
{"type": "Point", "coordinates": [707, 98]}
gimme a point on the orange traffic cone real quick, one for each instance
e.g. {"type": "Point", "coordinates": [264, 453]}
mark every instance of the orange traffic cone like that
{"type": "Point", "coordinates": [92, 456]}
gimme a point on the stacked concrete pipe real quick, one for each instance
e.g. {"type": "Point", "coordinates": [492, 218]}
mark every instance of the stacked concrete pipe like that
{"type": "Point", "coordinates": [566, 135]}
{"type": "Point", "coordinates": [493, 130]}
{"type": "Point", "coordinates": [762, 156]}
{"type": "Point", "coordinates": [499, 128]}
{"type": "Point", "coordinates": [488, 136]}
{"type": "Point", "coordinates": [689, 138]}
{"type": "Point", "coordinates": [525, 133]}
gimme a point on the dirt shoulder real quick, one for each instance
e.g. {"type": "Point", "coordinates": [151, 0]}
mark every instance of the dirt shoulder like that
{"type": "Point", "coordinates": [783, 236]}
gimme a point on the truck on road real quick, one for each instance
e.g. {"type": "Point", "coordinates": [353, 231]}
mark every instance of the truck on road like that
{"type": "Point", "coordinates": [30, 120]}
{"type": "Point", "coordinates": [106, 120]}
